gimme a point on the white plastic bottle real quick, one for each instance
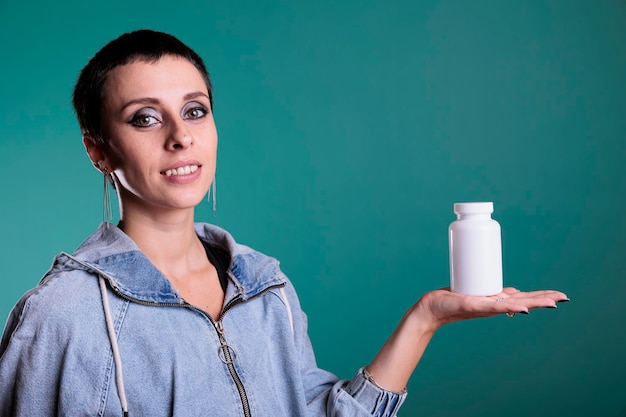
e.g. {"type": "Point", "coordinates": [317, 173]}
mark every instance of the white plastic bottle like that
{"type": "Point", "coordinates": [475, 250]}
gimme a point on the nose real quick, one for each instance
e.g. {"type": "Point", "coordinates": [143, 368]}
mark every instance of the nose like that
{"type": "Point", "coordinates": [179, 136]}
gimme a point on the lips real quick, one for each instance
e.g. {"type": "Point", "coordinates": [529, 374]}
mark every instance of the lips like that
{"type": "Point", "coordinates": [181, 170]}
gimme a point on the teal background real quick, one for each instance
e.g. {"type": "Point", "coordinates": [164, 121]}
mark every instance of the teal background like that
{"type": "Point", "coordinates": [347, 131]}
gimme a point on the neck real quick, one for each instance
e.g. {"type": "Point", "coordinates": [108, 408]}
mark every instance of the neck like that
{"type": "Point", "coordinates": [168, 240]}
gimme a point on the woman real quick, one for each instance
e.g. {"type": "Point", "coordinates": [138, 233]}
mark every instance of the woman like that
{"type": "Point", "coordinates": [160, 316]}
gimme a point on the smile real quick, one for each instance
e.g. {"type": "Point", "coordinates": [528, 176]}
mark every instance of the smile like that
{"type": "Point", "coordinates": [185, 170]}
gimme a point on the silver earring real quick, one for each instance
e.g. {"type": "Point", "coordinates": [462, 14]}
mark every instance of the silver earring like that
{"type": "Point", "coordinates": [107, 214]}
{"type": "Point", "coordinates": [212, 196]}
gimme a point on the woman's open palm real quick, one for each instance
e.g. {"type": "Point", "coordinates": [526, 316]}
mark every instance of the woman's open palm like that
{"type": "Point", "coordinates": [445, 306]}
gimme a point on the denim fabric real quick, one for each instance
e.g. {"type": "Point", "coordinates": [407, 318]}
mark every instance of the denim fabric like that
{"type": "Point", "coordinates": [56, 356]}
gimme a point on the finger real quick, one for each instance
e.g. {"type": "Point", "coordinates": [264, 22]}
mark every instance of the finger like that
{"type": "Point", "coordinates": [531, 303]}
{"type": "Point", "coordinates": [503, 304]}
{"type": "Point", "coordinates": [510, 290]}
{"type": "Point", "coordinates": [556, 296]}
{"type": "Point", "coordinates": [506, 293]}
{"type": "Point", "coordinates": [522, 303]}
{"type": "Point", "coordinates": [547, 293]}
{"type": "Point", "coordinates": [511, 306]}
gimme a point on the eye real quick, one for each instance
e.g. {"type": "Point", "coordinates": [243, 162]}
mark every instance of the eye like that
{"type": "Point", "coordinates": [195, 111]}
{"type": "Point", "coordinates": [144, 118]}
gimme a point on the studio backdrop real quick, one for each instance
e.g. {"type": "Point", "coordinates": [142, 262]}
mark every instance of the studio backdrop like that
{"type": "Point", "coordinates": [347, 131]}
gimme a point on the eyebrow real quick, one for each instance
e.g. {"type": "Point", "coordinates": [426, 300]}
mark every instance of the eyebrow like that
{"type": "Point", "coordinates": [195, 94]}
{"type": "Point", "coordinates": [150, 100]}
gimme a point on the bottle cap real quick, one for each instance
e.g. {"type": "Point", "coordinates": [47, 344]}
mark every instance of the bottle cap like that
{"type": "Point", "coordinates": [473, 208]}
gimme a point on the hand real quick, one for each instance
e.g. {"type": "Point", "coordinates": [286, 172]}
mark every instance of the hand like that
{"type": "Point", "coordinates": [397, 359]}
{"type": "Point", "coordinates": [444, 306]}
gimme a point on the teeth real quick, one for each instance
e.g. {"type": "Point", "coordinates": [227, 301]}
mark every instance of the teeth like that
{"type": "Point", "coordinates": [187, 169]}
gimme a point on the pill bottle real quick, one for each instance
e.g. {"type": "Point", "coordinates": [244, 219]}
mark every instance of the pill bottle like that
{"type": "Point", "coordinates": [475, 250]}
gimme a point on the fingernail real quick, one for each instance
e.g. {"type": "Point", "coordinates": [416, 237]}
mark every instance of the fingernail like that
{"type": "Point", "coordinates": [563, 301]}
{"type": "Point", "coordinates": [554, 306]}
{"type": "Point", "coordinates": [524, 312]}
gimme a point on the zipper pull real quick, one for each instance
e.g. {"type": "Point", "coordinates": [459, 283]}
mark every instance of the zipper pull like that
{"type": "Point", "coordinates": [225, 352]}
{"type": "Point", "coordinates": [220, 328]}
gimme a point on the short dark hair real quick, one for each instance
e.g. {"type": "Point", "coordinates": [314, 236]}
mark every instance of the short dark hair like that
{"type": "Point", "coordinates": [141, 45]}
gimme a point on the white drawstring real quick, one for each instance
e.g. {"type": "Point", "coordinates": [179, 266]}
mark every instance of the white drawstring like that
{"type": "Point", "coordinates": [119, 378]}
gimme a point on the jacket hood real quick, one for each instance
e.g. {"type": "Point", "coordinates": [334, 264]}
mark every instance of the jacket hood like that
{"type": "Point", "coordinates": [110, 253]}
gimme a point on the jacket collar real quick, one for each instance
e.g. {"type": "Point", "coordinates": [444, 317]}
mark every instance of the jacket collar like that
{"type": "Point", "coordinates": [109, 252]}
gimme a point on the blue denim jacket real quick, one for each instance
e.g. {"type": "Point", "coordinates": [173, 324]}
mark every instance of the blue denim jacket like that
{"type": "Point", "coordinates": [155, 355]}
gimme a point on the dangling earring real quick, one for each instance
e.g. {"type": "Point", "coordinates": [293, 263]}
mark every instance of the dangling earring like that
{"type": "Point", "coordinates": [107, 214]}
{"type": "Point", "coordinates": [214, 197]}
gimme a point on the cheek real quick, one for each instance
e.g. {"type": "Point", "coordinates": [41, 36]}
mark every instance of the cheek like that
{"type": "Point", "coordinates": [125, 151]}
{"type": "Point", "coordinates": [115, 156]}
{"type": "Point", "coordinates": [114, 149]}
{"type": "Point", "coordinates": [208, 142]}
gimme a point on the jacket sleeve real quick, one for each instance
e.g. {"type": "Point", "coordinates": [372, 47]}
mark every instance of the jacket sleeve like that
{"type": "Point", "coordinates": [329, 396]}
{"type": "Point", "coordinates": [22, 360]}
{"type": "Point", "coordinates": [7, 367]}
{"type": "Point", "coordinates": [36, 358]}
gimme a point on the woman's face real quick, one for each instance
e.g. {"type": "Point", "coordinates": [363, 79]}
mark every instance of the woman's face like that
{"type": "Point", "coordinates": [161, 137]}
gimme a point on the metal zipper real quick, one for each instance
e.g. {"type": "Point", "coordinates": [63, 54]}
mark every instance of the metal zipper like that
{"type": "Point", "coordinates": [226, 353]}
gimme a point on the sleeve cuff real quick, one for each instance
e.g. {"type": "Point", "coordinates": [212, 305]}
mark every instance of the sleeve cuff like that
{"type": "Point", "coordinates": [379, 401]}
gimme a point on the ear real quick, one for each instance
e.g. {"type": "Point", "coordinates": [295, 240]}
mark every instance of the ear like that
{"type": "Point", "coordinates": [95, 153]}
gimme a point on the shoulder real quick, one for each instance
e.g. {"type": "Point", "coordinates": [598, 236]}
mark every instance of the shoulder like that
{"type": "Point", "coordinates": [50, 309]}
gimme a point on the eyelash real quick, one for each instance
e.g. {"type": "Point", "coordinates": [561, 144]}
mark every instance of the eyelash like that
{"type": "Point", "coordinates": [142, 120]}
{"type": "Point", "coordinates": [142, 117]}
{"type": "Point", "coordinates": [201, 109]}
